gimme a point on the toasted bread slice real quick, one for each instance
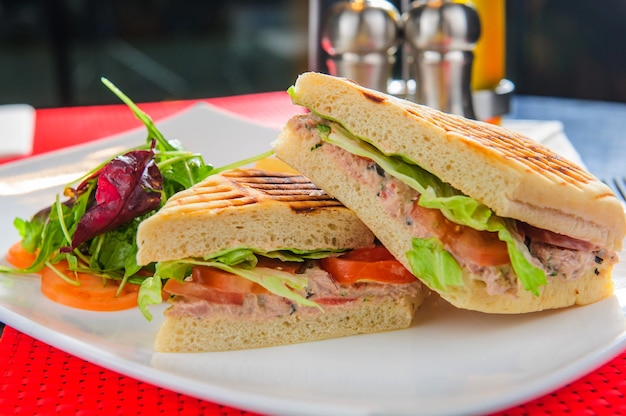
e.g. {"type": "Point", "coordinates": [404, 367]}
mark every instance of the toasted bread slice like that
{"type": "Point", "coordinates": [249, 208]}
{"type": "Point", "coordinates": [186, 332]}
{"type": "Point", "coordinates": [513, 175]}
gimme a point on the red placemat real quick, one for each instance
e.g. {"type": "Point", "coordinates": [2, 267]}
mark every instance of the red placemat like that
{"type": "Point", "coordinates": [40, 379]}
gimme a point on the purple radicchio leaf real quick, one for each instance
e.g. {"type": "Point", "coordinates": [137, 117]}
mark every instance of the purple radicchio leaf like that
{"type": "Point", "coordinates": [128, 187]}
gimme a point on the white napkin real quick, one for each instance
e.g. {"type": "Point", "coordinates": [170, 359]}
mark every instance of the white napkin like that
{"type": "Point", "coordinates": [548, 133]}
{"type": "Point", "coordinates": [17, 125]}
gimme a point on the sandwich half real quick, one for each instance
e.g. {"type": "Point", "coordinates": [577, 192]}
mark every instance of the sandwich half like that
{"type": "Point", "coordinates": [487, 218]}
{"type": "Point", "coordinates": [255, 259]}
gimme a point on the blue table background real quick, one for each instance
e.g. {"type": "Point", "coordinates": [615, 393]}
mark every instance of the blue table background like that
{"type": "Point", "coordinates": [597, 129]}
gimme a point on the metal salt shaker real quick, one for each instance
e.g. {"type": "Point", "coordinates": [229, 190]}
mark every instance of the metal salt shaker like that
{"type": "Point", "coordinates": [442, 35]}
{"type": "Point", "coordinates": [361, 38]}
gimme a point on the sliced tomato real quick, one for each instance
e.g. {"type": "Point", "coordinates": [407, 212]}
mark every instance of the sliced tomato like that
{"type": "Point", "coordinates": [483, 248]}
{"type": "Point", "coordinates": [224, 281]}
{"type": "Point", "coordinates": [191, 289]}
{"type": "Point", "coordinates": [333, 301]}
{"type": "Point", "coordinates": [369, 254]}
{"type": "Point", "coordinates": [367, 264]}
{"type": "Point", "coordinates": [92, 292]}
{"type": "Point", "coordinates": [214, 285]}
{"type": "Point", "coordinates": [284, 266]}
{"type": "Point", "coordinates": [18, 257]}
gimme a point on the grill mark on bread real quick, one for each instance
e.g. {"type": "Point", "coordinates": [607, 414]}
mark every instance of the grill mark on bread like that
{"type": "Point", "coordinates": [211, 196]}
{"type": "Point", "coordinates": [373, 97]}
{"type": "Point", "coordinates": [249, 187]}
{"type": "Point", "coordinates": [295, 190]}
{"type": "Point", "coordinates": [510, 145]}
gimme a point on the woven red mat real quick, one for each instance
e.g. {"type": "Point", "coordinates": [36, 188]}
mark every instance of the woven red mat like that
{"type": "Point", "coordinates": [37, 379]}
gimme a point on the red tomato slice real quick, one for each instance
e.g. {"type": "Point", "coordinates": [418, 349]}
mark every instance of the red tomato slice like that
{"type": "Point", "coordinates": [191, 289]}
{"type": "Point", "coordinates": [368, 264]}
{"type": "Point", "coordinates": [333, 301]}
{"type": "Point", "coordinates": [214, 285]}
{"type": "Point", "coordinates": [481, 247]}
{"type": "Point", "coordinates": [93, 293]}
{"type": "Point", "coordinates": [224, 281]}
{"type": "Point", "coordinates": [285, 266]}
{"type": "Point", "coordinates": [376, 253]}
{"type": "Point", "coordinates": [18, 257]}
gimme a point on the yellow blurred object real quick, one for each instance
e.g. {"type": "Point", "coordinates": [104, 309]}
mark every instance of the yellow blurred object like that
{"type": "Point", "coordinates": [489, 54]}
{"type": "Point", "coordinates": [275, 165]}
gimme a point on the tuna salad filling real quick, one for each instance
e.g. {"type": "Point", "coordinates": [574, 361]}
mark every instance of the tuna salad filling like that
{"type": "Point", "coordinates": [322, 289]}
{"type": "Point", "coordinates": [400, 202]}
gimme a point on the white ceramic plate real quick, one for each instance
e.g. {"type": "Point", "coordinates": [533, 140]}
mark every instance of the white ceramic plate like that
{"type": "Point", "coordinates": [450, 361]}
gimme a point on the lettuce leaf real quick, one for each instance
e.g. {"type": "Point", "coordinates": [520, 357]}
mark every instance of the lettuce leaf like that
{"type": "Point", "coordinates": [239, 261]}
{"type": "Point", "coordinates": [454, 205]}
{"type": "Point", "coordinates": [434, 264]}
{"type": "Point", "coordinates": [239, 255]}
{"type": "Point", "coordinates": [277, 282]}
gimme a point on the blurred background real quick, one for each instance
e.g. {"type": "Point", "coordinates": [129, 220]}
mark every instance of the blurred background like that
{"type": "Point", "coordinates": [53, 52]}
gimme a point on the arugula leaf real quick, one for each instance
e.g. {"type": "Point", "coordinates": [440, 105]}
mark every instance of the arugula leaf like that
{"type": "Point", "coordinates": [45, 233]}
{"type": "Point", "coordinates": [30, 231]}
{"type": "Point", "coordinates": [180, 169]}
{"type": "Point", "coordinates": [116, 250]}
{"type": "Point", "coordinates": [153, 132]}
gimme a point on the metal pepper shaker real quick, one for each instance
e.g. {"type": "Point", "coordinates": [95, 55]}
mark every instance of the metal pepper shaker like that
{"type": "Point", "coordinates": [360, 38]}
{"type": "Point", "coordinates": [442, 35]}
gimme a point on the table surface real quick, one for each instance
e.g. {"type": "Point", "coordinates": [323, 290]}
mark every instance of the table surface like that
{"type": "Point", "coordinates": [596, 129]}
{"type": "Point", "coordinates": [39, 379]}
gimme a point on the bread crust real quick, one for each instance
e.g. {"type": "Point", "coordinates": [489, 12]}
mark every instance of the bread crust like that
{"type": "Point", "coordinates": [249, 208]}
{"type": "Point", "coordinates": [295, 149]}
{"type": "Point", "coordinates": [515, 176]}
{"type": "Point", "coordinates": [226, 333]}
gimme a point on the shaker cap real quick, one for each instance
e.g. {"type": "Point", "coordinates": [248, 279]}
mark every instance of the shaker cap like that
{"type": "Point", "coordinates": [361, 27]}
{"type": "Point", "coordinates": [442, 26]}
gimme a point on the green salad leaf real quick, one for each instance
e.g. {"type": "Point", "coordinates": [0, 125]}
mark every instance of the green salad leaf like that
{"type": "Point", "coordinates": [111, 254]}
{"type": "Point", "coordinates": [244, 254]}
{"type": "Point", "coordinates": [434, 264]}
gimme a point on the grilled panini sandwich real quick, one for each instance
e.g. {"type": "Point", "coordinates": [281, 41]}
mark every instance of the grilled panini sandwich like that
{"type": "Point", "coordinates": [254, 259]}
{"type": "Point", "coordinates": [489, 219]}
